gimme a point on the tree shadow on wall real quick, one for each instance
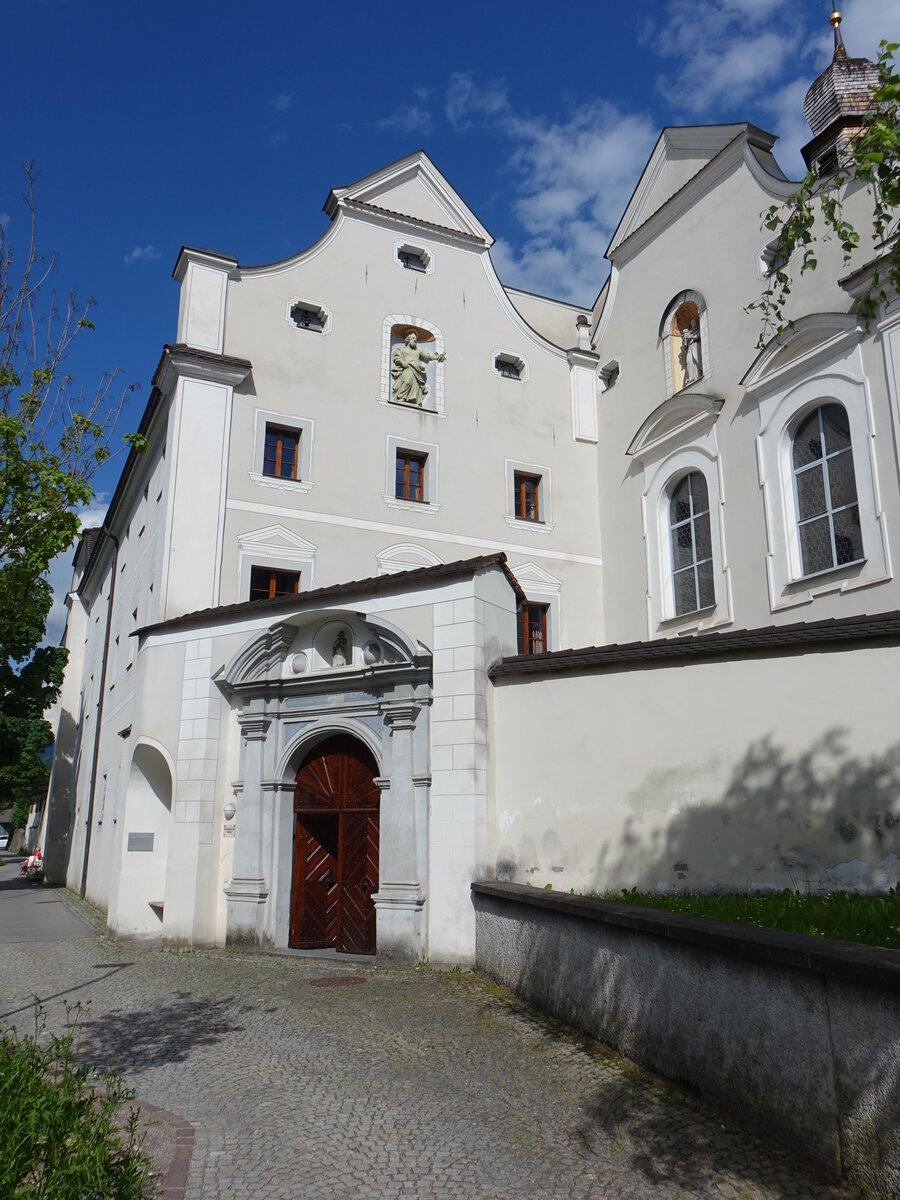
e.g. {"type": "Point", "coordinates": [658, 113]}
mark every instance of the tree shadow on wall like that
{"type": "Point", "coordinates": [822, 819]}
{"type": "Point", "coordinates": [166, 1033]}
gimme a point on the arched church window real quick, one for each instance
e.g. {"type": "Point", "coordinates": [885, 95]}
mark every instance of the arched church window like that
{"type": "Point", "coordinates": [692, 557]}
{"type": "Point", "coordinates": [684, 332]}
{"type": "Point", "coordinates": [828, 521]}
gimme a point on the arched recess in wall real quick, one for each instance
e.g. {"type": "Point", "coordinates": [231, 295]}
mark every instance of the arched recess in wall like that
{"type": "Point", "coordinates": [404, 556]}
{"type": "Point", "coordinates": [684, 334]}
{"type": "Point", "coordinates": [145, 840]}
{"type": "Point", "coordinates": [394, 329]}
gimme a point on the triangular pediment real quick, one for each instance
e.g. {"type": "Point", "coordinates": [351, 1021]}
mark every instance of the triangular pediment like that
{"type": "Point", "coordinates": [680, 154]}
{"type": "Point", "coordinates": [412, 187]}
{"type": "Point", "coordinates": [535, 578]}
{"type": "Point", "coordinates": [274, 539]}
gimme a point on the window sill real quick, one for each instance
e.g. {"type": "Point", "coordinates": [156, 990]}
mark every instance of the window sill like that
{"type": "Point", "coordinates": [427, 412]}
{"type": "Point", "coordinates": [287, 485]}
{"type": "Point", "coordinates": [531, 526]}
{"type": "Point", "coordinates": [702, 620]}
{"type": "Point", "coordinates": [806, 580]}
{"type": "Point", "coordinates": [693, 386]}
{"type": "Point", "coordinates": [419, 506]}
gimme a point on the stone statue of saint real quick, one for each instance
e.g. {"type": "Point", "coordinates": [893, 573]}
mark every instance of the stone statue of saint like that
{"type": "Point", "coordinates": [690, 349]}
{"type": "Point", "coordinates": [408, 371]}
{"type": "Point", "coordinates": [339, 650]}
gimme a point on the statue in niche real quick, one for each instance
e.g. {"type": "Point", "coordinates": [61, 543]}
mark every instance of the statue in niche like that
{"type": "Point", "coordinates": [339, 650]}
{"type": "Point", "coordinates": [690, 352]}
{"type": "Point", "coordinates": [408, 371]}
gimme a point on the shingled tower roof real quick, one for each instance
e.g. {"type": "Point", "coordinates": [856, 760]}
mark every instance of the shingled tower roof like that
{"type": "Point", "coordinates": [837, 103]}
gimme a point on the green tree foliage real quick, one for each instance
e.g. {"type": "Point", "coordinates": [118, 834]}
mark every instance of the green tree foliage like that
{"type": "Point", "coordinates": [815, 211]}
{"type": "Point", "coordinates": [53, 437]}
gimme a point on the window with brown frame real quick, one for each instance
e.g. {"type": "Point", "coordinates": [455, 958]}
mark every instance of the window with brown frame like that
{"type": "Point", "coordinates": [266, 583]}
{"type": "Point", "coordinates": [533, 628]}
{"type": "Point", "coordinates": [282, 452]}
{"type": "Point", "coordinates": [410, 476]}
{"type": "Point", "coordinates": [527, 496]}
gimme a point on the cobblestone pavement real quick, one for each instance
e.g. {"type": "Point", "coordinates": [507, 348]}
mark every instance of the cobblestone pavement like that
{"type": "Point", "coordinates": [308, 1078]}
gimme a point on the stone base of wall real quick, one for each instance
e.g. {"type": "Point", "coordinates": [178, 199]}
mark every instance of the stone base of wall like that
{"type": "Point", "coordinates": [799, 1036]}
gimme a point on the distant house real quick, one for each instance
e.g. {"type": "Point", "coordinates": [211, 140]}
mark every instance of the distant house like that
{"type": "Point", "coordinates": [319, 677]}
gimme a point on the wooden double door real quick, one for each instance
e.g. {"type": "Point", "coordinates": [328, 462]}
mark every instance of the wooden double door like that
{"type": "Point", "coordinates": [335, 871]}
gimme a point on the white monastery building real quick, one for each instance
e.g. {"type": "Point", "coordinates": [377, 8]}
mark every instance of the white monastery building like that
{"type": "Point", "coordinates": [320, 673]}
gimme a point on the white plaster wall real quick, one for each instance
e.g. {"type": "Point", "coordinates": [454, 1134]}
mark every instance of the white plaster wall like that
{"type": "Point", "coordinates": [200, 420]}
{"type": "Point", "coordinates": [474, 625]}
{"type": "Point", "coordinates": [773, 771]}
{"type": "Point", "coordinates": [147, 814]}
{"type": "Point", "coordinates": [684, 254]}
{"type": "Point", "coordinates": [334, 381]}
{"type": "Point", "coordinates": [555, 319]}
{"type": "Point", "coordinates": [139, 527]}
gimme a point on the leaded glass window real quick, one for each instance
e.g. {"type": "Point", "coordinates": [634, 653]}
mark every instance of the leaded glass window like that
{"type": "Point", "coordinates": [692, 563]}
{"type": "Point", "coordinates": [825, 488]}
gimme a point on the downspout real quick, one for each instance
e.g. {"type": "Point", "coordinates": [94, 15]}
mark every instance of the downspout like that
{"type": "Point", "coordinates": [97, 727]}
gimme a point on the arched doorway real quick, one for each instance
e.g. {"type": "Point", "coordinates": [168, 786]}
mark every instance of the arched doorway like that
{"type": "Point", "coordinates": [335, 870]}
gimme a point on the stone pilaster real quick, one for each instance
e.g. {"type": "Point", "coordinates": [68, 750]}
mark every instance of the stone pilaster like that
{"type": "Point", "coordinates": [248, 890]}
{"type": "Point", "coordinates": [400, 899]}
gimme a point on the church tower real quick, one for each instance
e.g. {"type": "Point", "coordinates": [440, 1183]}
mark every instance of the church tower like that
{"type": "Point", "coordinates": [837, 104]}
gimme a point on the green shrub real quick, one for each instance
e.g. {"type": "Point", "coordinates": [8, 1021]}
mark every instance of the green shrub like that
{"type": "Point", "coordinates": [848, 916]}
{"type": "Point", "coordinates": [60, 1133]}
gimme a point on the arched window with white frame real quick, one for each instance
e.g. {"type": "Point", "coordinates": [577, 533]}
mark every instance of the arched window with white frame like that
{"type": "Point", "coordinates": [690, 536]}
{"type": "Point", "coordinates": [827, 504]}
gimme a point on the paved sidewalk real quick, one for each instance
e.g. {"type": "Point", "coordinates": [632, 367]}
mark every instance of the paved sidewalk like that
{"type": "Point", "coordinates": [30, 912]}
{"type": "Point", "coordinates": [306, 1078]}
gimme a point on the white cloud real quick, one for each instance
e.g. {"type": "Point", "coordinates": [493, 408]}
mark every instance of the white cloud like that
{"type": "Point", "coordinates": [571, 180]}
{"type": "Point", "coordinates": [465, 100]}
{"type": "Point", "coordinates": [408, 118]}
{"type": "Point", "coordinates": [282, 103]}
{"type": "Point", "coordinates": [724, 60]}
{"type": "Point", "coordinates": [866, 23]}
{"type": "Point", "coordinates": [140, 254]}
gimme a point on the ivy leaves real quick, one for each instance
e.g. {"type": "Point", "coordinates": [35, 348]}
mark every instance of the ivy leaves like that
{"type": "Point", "coordinates": [872, 159]}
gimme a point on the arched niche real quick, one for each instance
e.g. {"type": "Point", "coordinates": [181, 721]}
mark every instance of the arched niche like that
{"type": "Point", "coordinates": [334, 646]}
{"type": "Point", "coordinates": [395, 329]}
{"type": "Point", "coordinates": [685, 337]}
{"type": "Point", "coordinates": [145, 841]}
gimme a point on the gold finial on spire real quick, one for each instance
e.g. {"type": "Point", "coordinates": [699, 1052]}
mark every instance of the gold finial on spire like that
{"type": "Point", "coordinates": [840, 50]}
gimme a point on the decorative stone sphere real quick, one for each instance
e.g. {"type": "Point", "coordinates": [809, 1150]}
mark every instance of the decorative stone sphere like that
{"type": "Point", "coordinates": [371, 654]}
{"type": "Point", "coordinates": [298, 664]}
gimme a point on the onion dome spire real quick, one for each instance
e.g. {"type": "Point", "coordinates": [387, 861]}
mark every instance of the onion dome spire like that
{"type": "Point", "coordinates": [840, 50]}
{"type": "Point", "coordinates": [838, 103]}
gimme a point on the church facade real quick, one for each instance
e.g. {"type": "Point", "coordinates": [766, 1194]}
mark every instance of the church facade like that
{"type": "Point", "coordinates": [320, 676]}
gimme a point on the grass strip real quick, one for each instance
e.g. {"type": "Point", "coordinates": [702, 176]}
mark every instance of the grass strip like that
{"type": "Point", "coordinates": [848, 916]}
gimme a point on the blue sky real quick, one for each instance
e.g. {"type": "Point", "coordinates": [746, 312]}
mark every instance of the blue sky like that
{"type": "Point", "coordinates": [225, 125]}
